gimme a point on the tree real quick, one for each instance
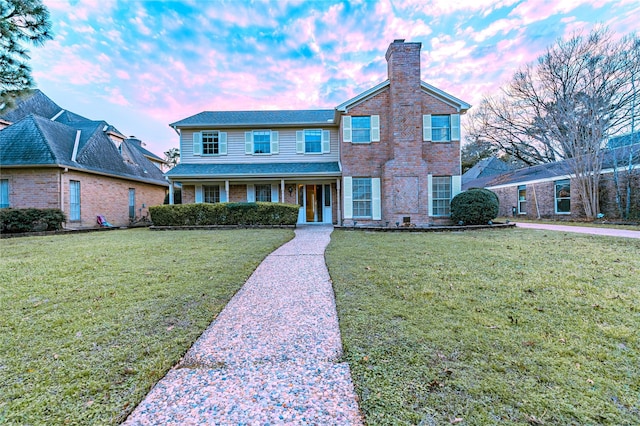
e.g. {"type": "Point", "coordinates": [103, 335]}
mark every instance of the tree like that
{"type": "Point", "coordinates": [565, 106]}
{"type": "Point", "coordinates": [172, 157]}
{"type": "Point", "coordinates": [21, 21]}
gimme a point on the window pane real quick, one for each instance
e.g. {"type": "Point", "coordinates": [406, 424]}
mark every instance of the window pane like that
{"type": "Point", "coordinates": [563, 196]}
{"type": "Point", "coordinates": [261, 142]}
{"type": "Point", "coordinates": [361, 196]}
{"type": "Point", "coordinates": [210, 144]}
{"type": "Point", "coordinates": [263, 193]}
{"type": "Point", "coordinates": [74, 200]}
{"type": "Point", "coordinates": [211, 193]}
{"type": "Point", "coordinates": [4, 193]}
{"type": "Point", "coordinates": [313, 140]}
{"type": "Point", "coordinates": [361, 129]}
{"type": "Point", "coordinates": [440, 128]}
{"type": "Point", "coordinates": [441, 195]}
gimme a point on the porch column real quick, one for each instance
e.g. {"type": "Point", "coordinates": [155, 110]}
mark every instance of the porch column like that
{"type": "Point", "coordinates": [170, 191]}
{"type": "Point", "coordinates": [226, 188]}
{"type": "Point", "coordinates": [282, 190]}
{"type": "Point", "coordinates": [339, 201]}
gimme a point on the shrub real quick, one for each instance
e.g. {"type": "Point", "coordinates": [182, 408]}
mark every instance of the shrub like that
{"type": "Point", "coordinates": [475, 207]}
{"type": "Point", "coordinates": [30, 220]}
{"type": "Point", "coordinates": [202, 214]}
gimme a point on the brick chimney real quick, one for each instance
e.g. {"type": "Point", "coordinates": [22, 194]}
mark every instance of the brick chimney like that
{"type": "Point", "coordinates": [403, 62]}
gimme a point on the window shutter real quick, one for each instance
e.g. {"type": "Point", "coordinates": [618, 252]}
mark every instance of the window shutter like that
{"type": "Point", "coordinates": [223, 195]}
{"type": "Point", "coordinates": [456, 185]}
{"type": "Point", "coordinates": [300, 142]}
{"type": "Point", "coordinates": [430, 193]}
{"type": "Point", "coordinates": [197, 143]}
{"type": "Point", "coordinates": [248, 142]}
{"type": "Point", "coordinates": [222, 140]}
{"type": "Point", "coordinates": [376, 210]}
{"type": "Point", "coordinates": [275, 143]}
{"type": "Point", "coordinates": [455, 127]}
{"type": "Point", "coordinates": [375, 128]}
{"type": "Point", "coordinates": [346, 128]}
{"type": "Point", "coordinates": [274, 193]}
{"type": "Point", "coordinates": [348, 197]}
{"type": "Point", "coordinates": [199, 196]}
{"type": "Point", "coordinates": [326, 141]}
{"type": "Point", "coordinates": [426, 130]}
{"type": "Point", "coordinates": [251, 193]}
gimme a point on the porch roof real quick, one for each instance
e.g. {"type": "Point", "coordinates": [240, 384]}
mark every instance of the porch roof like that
{"type": "Point", "coordinates": [253, 170]}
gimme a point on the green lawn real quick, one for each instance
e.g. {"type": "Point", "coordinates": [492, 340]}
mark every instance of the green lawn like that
{"type": "Point", "coordinates": [490, 327]}
{"type": "Point", "coordinates": [90, 322]}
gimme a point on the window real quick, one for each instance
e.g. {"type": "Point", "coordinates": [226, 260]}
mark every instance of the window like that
{"type": "Point", "coordinates": [441, 195]}
{"type": "Point", "coordinates": [361, 193]}
{"type": "Point", "coordinates": [263, 193]}
{"type": "Point", "coordinates": [563, 196]}
{"type": "Point", "coordinates": [522, 199]}
{"type": "Point", "coordinates": [4, 193]}
{"type": "Point", "coordinates": [210, 143]}
{"type": "Point", "coordinates": [132, 203]}
{"type": "Point", "coordinates": [211, 193]}
{"type": "Point", "coordinates": [440, 128]}
{"type": "Point", "coordinates": [261, 142]}
{"type": "Point", "coordinates": [74, 200]}
{"type": "Point", "coordinates": [313, 141]}
{"type": "Point", "coordinates": [361, 129]}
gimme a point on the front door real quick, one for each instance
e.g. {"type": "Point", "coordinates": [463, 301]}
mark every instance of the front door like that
{"type": "Point", "coordinates": [315, 202]}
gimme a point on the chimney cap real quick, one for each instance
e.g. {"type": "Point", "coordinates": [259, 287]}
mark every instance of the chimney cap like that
{"type": "Point", "coordinates": [398, 40]}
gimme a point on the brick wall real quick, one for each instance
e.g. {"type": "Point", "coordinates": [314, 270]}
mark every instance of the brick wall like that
{"type": "Point", "coordinates": [40, 188]}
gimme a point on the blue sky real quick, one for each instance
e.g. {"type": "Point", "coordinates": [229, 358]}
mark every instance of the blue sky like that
{"type": "Point", "coordinates": [141, 65]}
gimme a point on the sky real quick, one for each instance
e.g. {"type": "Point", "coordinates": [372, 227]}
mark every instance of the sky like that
{"type": "Point", "coordinates": [141, 65]}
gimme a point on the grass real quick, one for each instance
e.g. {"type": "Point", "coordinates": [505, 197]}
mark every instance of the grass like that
{"type": "Point", "coordinates": [90, 322]}
{"type": "Point", "coordinates": [496, 327]}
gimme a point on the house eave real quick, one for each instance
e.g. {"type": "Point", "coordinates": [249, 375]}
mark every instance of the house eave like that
{"type": "Point", "coordinates": [217, 126]}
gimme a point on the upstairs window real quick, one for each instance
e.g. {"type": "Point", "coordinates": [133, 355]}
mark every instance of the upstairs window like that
{"type": "Point", "coordinates": [313, 141]}
{"type": "Point", "coordinates": [210, 143]}
{"type": "Point", "coordinates": [441, 128]}
{"type": "Point", "coordinates": [361, 129]}
{"type": "Point", "coordinates": [261, 142]}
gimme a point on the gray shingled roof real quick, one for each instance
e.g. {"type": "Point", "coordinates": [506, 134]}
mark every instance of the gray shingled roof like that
{"type": "Point", "coordinates": [552, 170]}
{"type": "Point", "coordinates": [254, 170]}
{"type": "Point", "coordinates": [490, 166]}
{"type": "Point", "coordinates": [34, 102]}
{"type": "Point", "coordinates": [258, 118]}
{"type": "Point", "coordinates": [36, 140]}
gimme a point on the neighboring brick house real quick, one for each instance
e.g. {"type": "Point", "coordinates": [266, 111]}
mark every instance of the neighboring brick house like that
{"type": "Point", "coordinates": [53, 158]}
{"type": "Point", "coordinates": [546, 190]}
{"type": "Point", "coordinates": [389, 156]}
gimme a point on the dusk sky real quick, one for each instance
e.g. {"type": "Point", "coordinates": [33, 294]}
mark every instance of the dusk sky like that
{"type": "Point", "coordinates": [141, 65]}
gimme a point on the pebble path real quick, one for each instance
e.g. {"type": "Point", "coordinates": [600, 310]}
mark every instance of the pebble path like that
{"type": "Point", "coordinates": [269, 357]}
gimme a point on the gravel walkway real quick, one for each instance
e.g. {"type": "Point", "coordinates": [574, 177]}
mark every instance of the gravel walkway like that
{"type": "Point", "coordinates": [269, 357]}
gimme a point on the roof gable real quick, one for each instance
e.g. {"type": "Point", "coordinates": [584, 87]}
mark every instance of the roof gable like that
{"type": "Point", "coordinates": [35, 102]}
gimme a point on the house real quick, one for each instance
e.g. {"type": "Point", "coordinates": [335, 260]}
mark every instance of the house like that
{"type": "Point", "coordinates": [548, 191]}
{"type": "Point", "coordinates": [54, 158]}
{"type": "Point", "coordinates": [389, 156]}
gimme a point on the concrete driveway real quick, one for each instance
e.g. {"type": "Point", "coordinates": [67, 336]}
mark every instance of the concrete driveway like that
{"type": "Point", "coordinates": [611, 232]}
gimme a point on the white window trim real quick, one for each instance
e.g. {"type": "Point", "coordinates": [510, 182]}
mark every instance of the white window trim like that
{"type": "Point", "coordinates": [374, 129]}
{"type": "Point", "coordinates": [555, 196]}
{"type": "Point", "coordinates": [454, 128]}
{"type": "Point", "coordinates": [301, 142]}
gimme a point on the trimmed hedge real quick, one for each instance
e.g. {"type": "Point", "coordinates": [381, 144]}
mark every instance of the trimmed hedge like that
{"type": "Point", "coordinates": [475, 206]}
{"type": "Point", "coordinates": [30, 220]}
{"type": "Point", "coordinates": [202, 214]}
